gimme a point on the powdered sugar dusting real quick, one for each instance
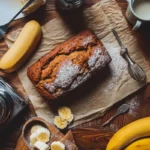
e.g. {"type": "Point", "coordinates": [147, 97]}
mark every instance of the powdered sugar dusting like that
{"type": "Point", "coordinates": [113, 127]}
{"type": "Point", "coordinates": [101, 62]}
{"type": "Point", "coordinates": [97, 60]}
{"type": "Point", "coordinates": [118, 66]}
{"type": "Point", "coordinates": [64, 77]}
{"type": "Point", "coordinates": [71, 75]}
{"type": "Point", "coordinates": [94, 57]}
{"type": "Point", "coordinates": [79, 80]}
{"type": "Point", "coordinates": [87, 40]}
{"type": "Point", "coordinates": [133, 105]}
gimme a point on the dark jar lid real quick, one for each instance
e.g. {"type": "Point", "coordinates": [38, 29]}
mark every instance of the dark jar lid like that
{"type": "Point", "coordinates": [69, 4]}
{"type": "Point", "coordinates": [73, 1]}
{"type": "Point", "coordinates": [5, 106]}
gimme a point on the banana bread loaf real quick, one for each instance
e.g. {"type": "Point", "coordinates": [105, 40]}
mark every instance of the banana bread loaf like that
{"type": "Point", "coordinates": [68, 65]}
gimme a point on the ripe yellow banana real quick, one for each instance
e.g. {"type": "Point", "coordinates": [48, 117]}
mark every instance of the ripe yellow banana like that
{"type": "Point", "coordinates": [129, 133]}
{"type": "Point", "coordinates": [60, 123]}
{"type": "Point", "coordinates": [142, 144]}
{"type": "Point", "coordinates": [57, 146]}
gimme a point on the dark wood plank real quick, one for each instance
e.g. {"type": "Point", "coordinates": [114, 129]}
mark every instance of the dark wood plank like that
{"type": "Point", "coordinates": [91, 138]}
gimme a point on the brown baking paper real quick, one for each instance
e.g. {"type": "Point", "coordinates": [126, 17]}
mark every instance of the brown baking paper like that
{"type": "Point", "coordinates": [101, 92]}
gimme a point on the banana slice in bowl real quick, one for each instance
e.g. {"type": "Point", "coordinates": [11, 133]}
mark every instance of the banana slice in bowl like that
{"type": "Point", "coordinates": [35, 128]}
{"type": "Point", "coordinates": [35, 132]}
{"type": "Point", "coordinates": [41, 146]}
{"type": "Point", "coordinates": [43, 135]}
{"type": "Point", "coordinates": [33, 139]}
{"type": "Point", "coordinates": [57, 145]}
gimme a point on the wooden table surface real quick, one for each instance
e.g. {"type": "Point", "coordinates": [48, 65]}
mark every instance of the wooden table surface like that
{"type": "Point", "coordinates": [90, 135]}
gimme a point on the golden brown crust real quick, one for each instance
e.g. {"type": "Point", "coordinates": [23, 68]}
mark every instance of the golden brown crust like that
{"type": "Point", "coordinates": [68, 65]}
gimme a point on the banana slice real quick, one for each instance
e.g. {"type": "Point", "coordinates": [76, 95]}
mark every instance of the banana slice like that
{"type": "Point", "coordinates": [41, 146]}
{"type": "Point", "coordinates": [43, 135]}
{"type": "Point", "coordinates": [34, 128]}
{"type": "Point", "coordinates": [57, 146]}
{"type": "Point", "coordinates": [33, 139]}
{"type": "Point", "coordinates": [60, 122]}
{"type": "Point", "coordinates": [70, 119]}
{"type": "Point", "coordinates": [64, 112]}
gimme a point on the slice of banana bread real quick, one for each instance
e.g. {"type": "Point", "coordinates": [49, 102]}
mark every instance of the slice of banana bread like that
{"type": "Point", "coordinates": [68, 65]}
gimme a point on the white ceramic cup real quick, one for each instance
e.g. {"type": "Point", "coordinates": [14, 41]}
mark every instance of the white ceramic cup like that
{"type": "Point", "coordinates": [132, 17]}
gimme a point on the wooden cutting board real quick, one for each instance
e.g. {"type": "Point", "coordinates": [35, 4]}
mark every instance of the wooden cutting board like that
{"type": "Point", "coordinates": [56, 135]}
{"type": "Point", "coordinates": [84, 138]}
{"type": "Point", "coordinates": [22, 146]}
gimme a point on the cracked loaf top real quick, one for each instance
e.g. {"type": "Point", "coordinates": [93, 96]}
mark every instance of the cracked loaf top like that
{"type": "Point", "coordinates": [68, 65]}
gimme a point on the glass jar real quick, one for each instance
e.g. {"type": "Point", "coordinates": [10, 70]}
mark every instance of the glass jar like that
{"type": "Point", "coordinates": [6, 106]}
{"type": "Point", "coordinates": [69, 4]}
{"type": "Point", "coordinates": [11, 104]}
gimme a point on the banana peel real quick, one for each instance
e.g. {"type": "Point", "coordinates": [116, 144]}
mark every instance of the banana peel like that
{"type": "Point", "coordinates": [142, 144]}
{"type": "Point", "coordinates": [131, 132]}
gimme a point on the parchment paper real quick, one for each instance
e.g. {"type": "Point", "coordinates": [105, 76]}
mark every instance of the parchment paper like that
{"type": "Point", "coordinates": [101, 92]}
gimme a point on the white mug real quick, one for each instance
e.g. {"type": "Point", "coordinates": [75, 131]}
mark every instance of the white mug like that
{"type": "Point", "coordinates": [133, 17]}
